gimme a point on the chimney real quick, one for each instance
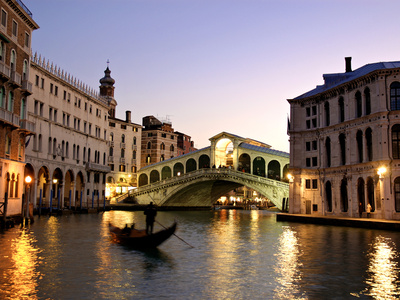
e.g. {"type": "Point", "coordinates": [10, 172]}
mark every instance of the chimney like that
{"type": "Point", "coordinates": [128, 116]}
{"type": "Point", "coordinates": [348, 64]}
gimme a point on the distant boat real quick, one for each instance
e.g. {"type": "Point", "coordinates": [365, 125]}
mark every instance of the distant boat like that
{"type": "Point", "coordinates": [139, 239]}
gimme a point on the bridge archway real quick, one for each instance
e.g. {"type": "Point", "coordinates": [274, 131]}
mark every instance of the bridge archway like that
{"type": "Point", "coordinates": [191, 165]}
{"type": "Point", "coordinates": [259, 166]}
{"type": "Point", "coordinates": [204, 161]}
{"type": "Point", "coordinates": [274, 170]}
{"type": "Point", "coordinates": [224, 152]}
{"type": "Point", "coordinates": [154, 176]}
{"type": "Point", "coordinates": [178, 169]}
{"type": "Point", "coordinates": [244, 163]}
{"type": "Point", "coordinates": [166, 173]}
{"type": "Point", "coordinates": [143, 180]}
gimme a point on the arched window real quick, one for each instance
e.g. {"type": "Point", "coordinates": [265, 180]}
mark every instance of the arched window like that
{"type": "Point", "coordinates": [358, 105]}
{"type": "Point", "coordinates": [13, 60]}
{"type": "Point", "coordinates": [54, 146]}
{"type": "Point", "coordinates": [67, 149]}
{"type": "Point", "coordinates": [148, 159]}
{"type": "Point", "coordinates": [111, 137]}
{"type": "Point", "coordinates": [122, 152]}
{"type": "Point", "coordinates": [172, 148]}
{"type": "Point", "coordinates": [8, 144]}
{"type": "Point", "coordinates": [104, 158]}
{"type": "Point", "coordinates": [123, 138]}
{"type": "Point", "coordinates": [367, 96]}
{"type": "Point", "coordinates": [25, 70]}
{"type": "Point", "coordinates": [2, 97]}
{"type": "Point", "coordinates": [396, 141]}
{"type": "Point", "coordinates": [23, 109]}
{"type": "Point", "coordinates": [10, 104]}
{"type": "Point", "coordinates": [368, 139]}
{"type": "Point", "coordinates": [134, 140]}
{"type": "Point", "coordinates": [395, 96]}
{"type": "Point", "coordinates": [149, 145]}
{"type": "Point", "coordinates": [341, 109]}
{"type": "Point", "coordinates": [342, 142]}
{"type": "Point", "coordinates": [397, 194]}
{"type": "Point", "coordinates": [359, 139]}
{"type": "Point", "coordinates": [162, 146]}
{"type": "Point", "coordinates": [328, 151]}
{"type": "Point", "coordinates": [327, 114]}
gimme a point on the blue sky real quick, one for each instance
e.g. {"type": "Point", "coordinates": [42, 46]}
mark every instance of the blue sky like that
{"type": "Point", "coordinates": [214, 65]}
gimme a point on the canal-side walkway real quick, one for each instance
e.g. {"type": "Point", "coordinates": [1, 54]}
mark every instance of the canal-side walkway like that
{"type": "Point", "coordinates": [340, 221]}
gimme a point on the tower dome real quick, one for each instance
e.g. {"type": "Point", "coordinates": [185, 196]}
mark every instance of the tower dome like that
{"type": "Point", "coordinates": [107, 80]}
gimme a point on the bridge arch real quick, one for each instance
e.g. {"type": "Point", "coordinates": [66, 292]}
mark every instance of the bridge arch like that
{"type": "Point", "coordinates": [204, 161]}
{"type": "Point", "coordinates": [259, 166]}
{"type": "Point", "coordinates": [274, 170]}
{"type": "Point", "coordinates": [166, 173]}
{"type": "Point", "coordinates": [191, 165]}
{"type": "Point", "coordinates": [178, 169]}
{"type": "Point", "coordinates": [154, 176]}
{"type": "Point", "coordinates": [223, 152]}
{"type": "Point", "coordinates": [143, 179]}
{"type": "Point", "coordinates": [244, 163]}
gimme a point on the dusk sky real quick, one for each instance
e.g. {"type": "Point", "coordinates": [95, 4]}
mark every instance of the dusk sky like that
{"type": "Point", "coordinates": [214, 65]}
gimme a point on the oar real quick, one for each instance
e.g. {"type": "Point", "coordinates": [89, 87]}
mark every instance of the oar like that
{"type": "Point", "coordinates": [175, 235]}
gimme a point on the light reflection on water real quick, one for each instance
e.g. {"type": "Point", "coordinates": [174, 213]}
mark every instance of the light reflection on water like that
{"type": "Point", "coordinates": [236, 255]}
{"type": "Point", "coordinates": [383, 270]}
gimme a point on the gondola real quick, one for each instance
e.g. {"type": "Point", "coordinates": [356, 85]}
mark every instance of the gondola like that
{"type": "Point", "coordinates": [139, 239]}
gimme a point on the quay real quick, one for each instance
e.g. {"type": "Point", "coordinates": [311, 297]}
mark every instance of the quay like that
{"type": "Point", "coordinates": [340, 221]}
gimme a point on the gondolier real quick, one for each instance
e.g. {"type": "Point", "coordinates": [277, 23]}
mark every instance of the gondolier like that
{"type": "Point", "coordinates": [150, 213]}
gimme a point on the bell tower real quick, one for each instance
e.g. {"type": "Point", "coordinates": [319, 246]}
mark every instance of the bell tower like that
{"type": "Point", "coordinates": [107, 90]}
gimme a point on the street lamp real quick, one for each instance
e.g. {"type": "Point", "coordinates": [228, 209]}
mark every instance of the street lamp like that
{"type": "Point", "coordinates": [381, 172]}
{"type": "Point", "coordinates": [28, 180]}
{"type": "Point", "coordinates": [290, 177]}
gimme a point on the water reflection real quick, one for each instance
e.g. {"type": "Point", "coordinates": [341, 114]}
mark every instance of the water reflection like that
{"type": "Point", "coordinates": [383, 270]}
{"type": "Point", "coordinates": [22, 275]}
{"type": "Point", "coordinates": [288, 274]}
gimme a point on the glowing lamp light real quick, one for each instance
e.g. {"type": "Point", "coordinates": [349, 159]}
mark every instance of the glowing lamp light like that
{"type": "Point", "coordinates": [28, 179]}
{"type": "Point", "coordinates": [381, 172]}
{"type": "Point", "coordinates": [55, 181]}
{"type": "Point", "coordinates": [290, 177]}
{"type": "Point", "coordinates": [179, 174]}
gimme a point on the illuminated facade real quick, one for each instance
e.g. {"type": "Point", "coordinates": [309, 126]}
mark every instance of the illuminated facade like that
{"type": "Point", "coordinates": [16, 27]}
{"type": "Point", "coordinates": [345, 144]}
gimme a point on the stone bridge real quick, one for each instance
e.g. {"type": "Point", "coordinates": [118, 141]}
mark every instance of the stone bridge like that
{"type": "Point", "coordinates": [205, 186]}
{"type": "Point", "coordinates": [201, 177]}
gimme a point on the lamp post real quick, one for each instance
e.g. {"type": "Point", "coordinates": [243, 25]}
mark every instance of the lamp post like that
{"type": "Point", "coordinates": [385, 207]}
{"type": "Point", "coordinates": [28, 180]}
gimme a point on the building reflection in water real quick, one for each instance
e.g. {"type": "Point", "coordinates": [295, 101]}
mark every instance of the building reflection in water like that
{"type": "Point", "coordinates": [288, 274]}
{"type": "Point", "coordinates": [23, 278]}
{"type": "Point", "coordinates": [383, 270]}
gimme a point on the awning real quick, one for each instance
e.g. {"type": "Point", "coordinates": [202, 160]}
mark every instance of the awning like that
{"type": "Point", "coordinates": [3, 37]}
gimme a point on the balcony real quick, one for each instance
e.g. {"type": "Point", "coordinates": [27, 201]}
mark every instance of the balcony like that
{"type": "Point", "coordinates": [26, 87]}
{"type": "Point", "coordinates": [4, 72]}
{"type": "Point", "coordinates": [27, 126]}
{"type": "Point", "coordinates": [133, 161]}
{"type": "Point", "coordinates": [134, 147]}
{"type": "Point", "coordinates": [7, 118]}
{"type": "Point", "coordinates": [90, 166]}
{"type": "Point", "coordinates": [15, 79]}
{"type": "Point", "coordinates": [122, 160]}
{"type": "Point", "coordinates": [111, 144]}
{"type": "Point", "coordinates": [123, 145]}
{"type": "Point", "coordinates": [111, 159]}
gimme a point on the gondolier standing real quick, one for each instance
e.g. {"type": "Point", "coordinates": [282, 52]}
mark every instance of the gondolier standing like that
{"type": "Point", "coordinates": [150, 213]}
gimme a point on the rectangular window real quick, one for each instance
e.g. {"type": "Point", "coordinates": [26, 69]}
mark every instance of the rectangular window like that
{"type": "Point", "coordinates": [37, 80]}
{"type": "Point", "coordinates": [314, 145]}
{"type": "Point", "coordinates": [41, 109]}
{"type": "Point", "coordinates": [308, 184]}
{"type": "Point", "coordinates": [3, 18]}
{"type": "Point", "coordinates": [55, 115]}
{"type": "Point", "coordinates": [14, 28]}
{"type": "Point", "coordinates": [42, 84]}
{"type": "Point", "coordinates": [65, 95]}
{"type": "Point", "coordinates": [50, 113]}
{"type": "Point", "coordinates": [315, 161]}
{"type": "Point", "coordinates": [51, 88]}
{"type": "Point", "coordinates": [27, 39]}
{"type": "Point", "coordinates": [314, 123]}
{"type": "Point", "coordinates": [314, 110]}
{"type": "Point", "coordinates": [308, 162]}
{"type": "Point", "coordinates": [112, 124]}
{"type": "Point", "coordinates": [123, 126]}
{"type": "Point", "coordinates": [308, 147]}
{"type": "Point", "coordinates": [308, 124]}
{"type": "Point", "coordinates": [308, 112]}
{"type": "Point", "coordinates": [36, 108]}
{"type": "Point", "coordinates": [69, 97]}
{"type": "Point", "coordinates": [315, 184]}
{"type": "Point", "coordinates": [56, 90]}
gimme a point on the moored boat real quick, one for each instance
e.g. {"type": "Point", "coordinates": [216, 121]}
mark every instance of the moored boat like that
{"type": "Point", "coordinates": [139, 239]}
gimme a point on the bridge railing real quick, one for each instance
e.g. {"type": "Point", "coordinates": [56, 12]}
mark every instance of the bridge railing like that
{"type": "Point", "coordinates": [200, 173]}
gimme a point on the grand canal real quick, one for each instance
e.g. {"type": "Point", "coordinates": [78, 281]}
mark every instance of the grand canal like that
{"type": "Point", "coordinates": [236, 255]}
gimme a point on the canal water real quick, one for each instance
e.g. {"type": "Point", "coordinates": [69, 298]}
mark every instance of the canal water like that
{"type": "Point", "coordinates": [236, 255]}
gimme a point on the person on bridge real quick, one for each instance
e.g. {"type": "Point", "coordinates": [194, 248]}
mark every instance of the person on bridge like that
{"type": "Point", "coordinates": [150, 213]}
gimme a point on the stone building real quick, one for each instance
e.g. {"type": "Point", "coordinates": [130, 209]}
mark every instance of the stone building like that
{"type": "Point", "coordinates": [185, 144]}
{"type": "Point", "coordinates": [124, 143]}
{"type": "Point", "coordinates": [16, 27]}
{"type": "Point", "coordinates": [345, 144]}
{"type": "Point", "coordinates": [68, 155]}
{"type": "Point", "coordinates": [159, 141]}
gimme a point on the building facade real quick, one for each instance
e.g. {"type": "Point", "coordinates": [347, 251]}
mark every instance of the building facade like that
{"type": "Point", "coordinates": [185, 144]}
{"type": "Point", "coordinates": [16, 27]}
{"type": "Point", "coordinates": [345, 144]}
{"type": "Point", "coordinates": [68, 155]}
{"type": "Point", "coordinates": [124, 145]}
{"type": "Point", "coordinates": [159, 141]}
